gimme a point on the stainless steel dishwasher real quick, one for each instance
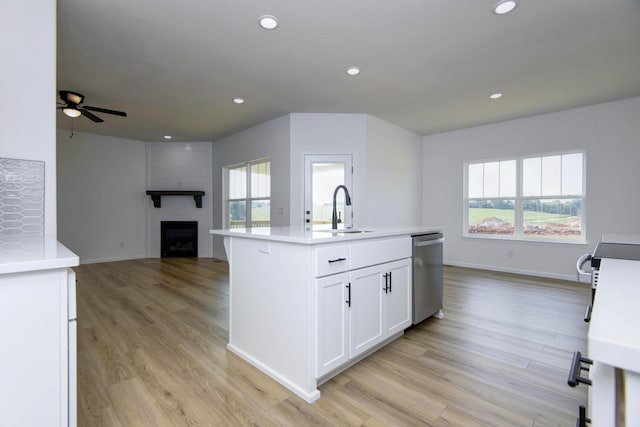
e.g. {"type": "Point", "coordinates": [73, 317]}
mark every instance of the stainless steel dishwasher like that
{"type": "Point", "coordinates": [427, 276]}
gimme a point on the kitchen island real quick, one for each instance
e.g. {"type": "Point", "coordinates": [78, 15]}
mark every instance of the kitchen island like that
{"type": "Point", "coordinates": [306, 304]}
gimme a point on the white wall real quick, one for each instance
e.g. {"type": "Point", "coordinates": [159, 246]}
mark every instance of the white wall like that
{"type": "Point", "coordinates": [313, 133]}
{"type": "Point", "coordinates": [393, 183]}
{"type": "Point", "coordinates": [607, 132]}
{"type": "Point", "coordinates": [270, 139]}
{"type": "Point", "coordinates": [28, 90]}
{"type": "Point", "coordinates": [179, 166]}
{"type": "Point", "coordinates": [101, 196]}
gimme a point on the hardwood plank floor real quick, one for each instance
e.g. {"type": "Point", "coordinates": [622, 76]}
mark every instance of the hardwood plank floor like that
{"type": "Point", "coordinates": [151, 352]}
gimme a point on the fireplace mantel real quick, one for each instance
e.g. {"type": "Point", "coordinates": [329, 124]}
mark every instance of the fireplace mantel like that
{"type": "Point", "coordinates": [156, 196]}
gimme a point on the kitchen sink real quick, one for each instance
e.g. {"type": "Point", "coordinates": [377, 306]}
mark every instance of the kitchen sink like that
{"type": "Point", "coordinates": [343, 231]}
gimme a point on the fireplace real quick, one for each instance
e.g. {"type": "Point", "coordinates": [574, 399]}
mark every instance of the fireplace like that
{"type": "Point", "coordinates": [179, 239]}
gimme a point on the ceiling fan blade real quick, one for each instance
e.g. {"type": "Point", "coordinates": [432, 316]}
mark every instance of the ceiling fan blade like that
{"type": "Point", "coordinates": [91, 116]}
{"type": "Point", "coordinates": [104, 110]}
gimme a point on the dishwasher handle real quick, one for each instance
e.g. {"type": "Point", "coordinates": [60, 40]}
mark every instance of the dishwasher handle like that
{"type": "Point", "coordinates": [429, 242]}
{"type": "Point", "coordinates": [582, 261]}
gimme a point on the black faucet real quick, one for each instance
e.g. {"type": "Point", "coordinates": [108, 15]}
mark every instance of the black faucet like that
{"type": "Point", "coordinates": [334, 216]}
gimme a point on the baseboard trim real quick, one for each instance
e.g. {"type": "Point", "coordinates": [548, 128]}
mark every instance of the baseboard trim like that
{"type": "Point", "coordinates": [112, 259]}
{"type": "Point", "coordinates": [544, 274]}
{"type": "Point", "coordinates": [309, 396]}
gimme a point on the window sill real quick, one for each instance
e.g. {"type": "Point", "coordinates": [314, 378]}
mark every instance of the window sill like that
{"type": "Point", "coordinates": [581, 242]}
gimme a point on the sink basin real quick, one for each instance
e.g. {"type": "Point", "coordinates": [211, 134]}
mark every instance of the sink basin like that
{"type": "Point", "coordinates": [343, 231]}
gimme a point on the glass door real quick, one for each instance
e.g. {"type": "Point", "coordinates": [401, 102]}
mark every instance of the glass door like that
{"type": "Point", "coordinates": [323, 173]}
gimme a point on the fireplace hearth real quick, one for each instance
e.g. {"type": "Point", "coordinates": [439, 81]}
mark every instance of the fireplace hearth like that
{"type": "Point", "coordinates": [179, 239]}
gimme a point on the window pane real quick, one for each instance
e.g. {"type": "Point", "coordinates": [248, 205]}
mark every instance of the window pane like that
{"type": "Point", "coordinates": [560, 218]}
{"type": "Point", "coordinates": [491, 217]}
{"type": "Point", "coordinates": [260, 213]}
{"type": "Point", "coordinates": [508, 178]}
{"type": "Point", "coordinates": [491, 179]}
{"type": "Point", "coordinates": [551, 168]}
{"type": "Point", "coordinates": [237, 214]}
{"type": "Point", "coordinates": [531, 173]}
{"type": "Point", "coordinates": [572, 174]}
{"type": "Point", "coordinates": [238, 183]}
{"type": "Point", "coordinates": [326, 177]}
{"type": "Point", "coordinates": [261, 179]}
{"type": "Point", "coordinates": [475, 177]}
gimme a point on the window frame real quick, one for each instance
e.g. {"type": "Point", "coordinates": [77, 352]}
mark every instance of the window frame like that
{"type": "Point", "coordinates": [248, 199]}
{"type": "Point", "coordinates": [519, 199]}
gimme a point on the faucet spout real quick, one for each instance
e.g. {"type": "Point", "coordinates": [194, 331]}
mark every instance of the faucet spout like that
{"type": "Point", "coordinates": [334, 216]}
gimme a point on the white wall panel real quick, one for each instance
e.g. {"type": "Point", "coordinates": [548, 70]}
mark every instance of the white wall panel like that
{"type": "Point", "coordinates": [28, 89]}
{"type": "Point", "coordinates": [270, 139]}
{"type": "Point", "coordinates": [393, 176]}
{"type": "Point", "coordinates": [101, 196]}
{"type": "Point", "coordinates": [609, 135]}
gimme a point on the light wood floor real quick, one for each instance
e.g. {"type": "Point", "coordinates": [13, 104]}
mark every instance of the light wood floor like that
{"type": "Point", "coordinates": [152, 337]}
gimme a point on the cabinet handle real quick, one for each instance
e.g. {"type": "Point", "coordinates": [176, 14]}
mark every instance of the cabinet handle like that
{"type": "Point", "coordinates": [336, 260]}
{"type": "Point", "coordinates": [576, 368]}
{"type": "Point", "coordinates": [389, 281]}
{"type": "Point", "coordinates": [582, 420]}
{"type": "Point", "coordinates": [386, 282]}
{"type": "Point", "coordinates": [348, 301]}
{"type": "Point", "coordinates": [587, 314]}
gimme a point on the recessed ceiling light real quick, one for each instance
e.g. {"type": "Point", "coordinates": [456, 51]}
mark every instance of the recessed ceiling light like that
{"type": "Point", "coordinates": [353, 71]}
{"type": "Point", "coordinates": [168, 137]}
{"type": "Point", "coordinates": [504, 6]}
{"type": "Point", "coordinates": [268, 22]}
{"type": "Point", "coordinates": [238, 100]}
{"type": "Point", "coordinates": [496, 95]}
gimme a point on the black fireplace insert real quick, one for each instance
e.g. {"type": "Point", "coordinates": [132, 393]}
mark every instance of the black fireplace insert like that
{"type": "Point", "coordinates": [179, 239]}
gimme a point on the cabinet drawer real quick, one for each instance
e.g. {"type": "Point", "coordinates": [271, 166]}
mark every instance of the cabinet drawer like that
{"type": "Point", "coordinates": [331, 259]}
{"type": "Point", "coordinates": [379, 251]}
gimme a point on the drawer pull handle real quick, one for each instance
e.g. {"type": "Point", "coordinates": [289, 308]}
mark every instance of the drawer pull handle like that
{"type": "Point", "coordinates": [336, 260]}
{"type": "Point", "coordinates": [576, 368]}
{"type": "Point", "coordinates": [587, 314]}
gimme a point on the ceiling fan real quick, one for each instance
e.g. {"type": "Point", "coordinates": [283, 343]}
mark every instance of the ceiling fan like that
{"type": "Point", "coordinates": [71, 107]}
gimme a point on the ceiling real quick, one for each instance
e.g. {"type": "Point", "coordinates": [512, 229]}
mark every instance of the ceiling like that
{"type": "Point", "coordinates": [427, 65]}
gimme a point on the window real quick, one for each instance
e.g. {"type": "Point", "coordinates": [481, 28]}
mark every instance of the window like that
{"type": "Point", "coordinates": [534, 197]}
{"type": "Point", "coordinates": [248, 191]}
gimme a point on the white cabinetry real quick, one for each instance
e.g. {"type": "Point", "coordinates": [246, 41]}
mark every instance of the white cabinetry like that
{"type": "Point", "coordinates": [34, 361]}
{"type": "Point", "coordinates": [360, 309]}
{"type": "Point", "coordinates": [332, 321]}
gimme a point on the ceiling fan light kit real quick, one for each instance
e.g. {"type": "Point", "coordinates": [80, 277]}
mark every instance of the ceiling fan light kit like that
{"type": "Point", "coordinates": [71, 107]}
{"type": "Point", "coordinates": [71, 112]}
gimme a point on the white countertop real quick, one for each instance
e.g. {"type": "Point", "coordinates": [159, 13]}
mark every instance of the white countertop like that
{"type": "Point", "coordinates": [614, 330]}
{"type": "Point", "coordinates": [20, 254]}
{"type": "Point", "coordinates": [307, 236]}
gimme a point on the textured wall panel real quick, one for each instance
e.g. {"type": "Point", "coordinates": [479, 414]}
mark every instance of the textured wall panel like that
{"type": "Point", "coordinates": [21, 199]}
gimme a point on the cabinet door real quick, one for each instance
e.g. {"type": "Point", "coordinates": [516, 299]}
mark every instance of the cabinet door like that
{"type": "Point", "coordinates": [366, 313]}
{"type": "Point", "coordinates": [332, 340]}
{"type": "Point", "coordinates": [398, 298]}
